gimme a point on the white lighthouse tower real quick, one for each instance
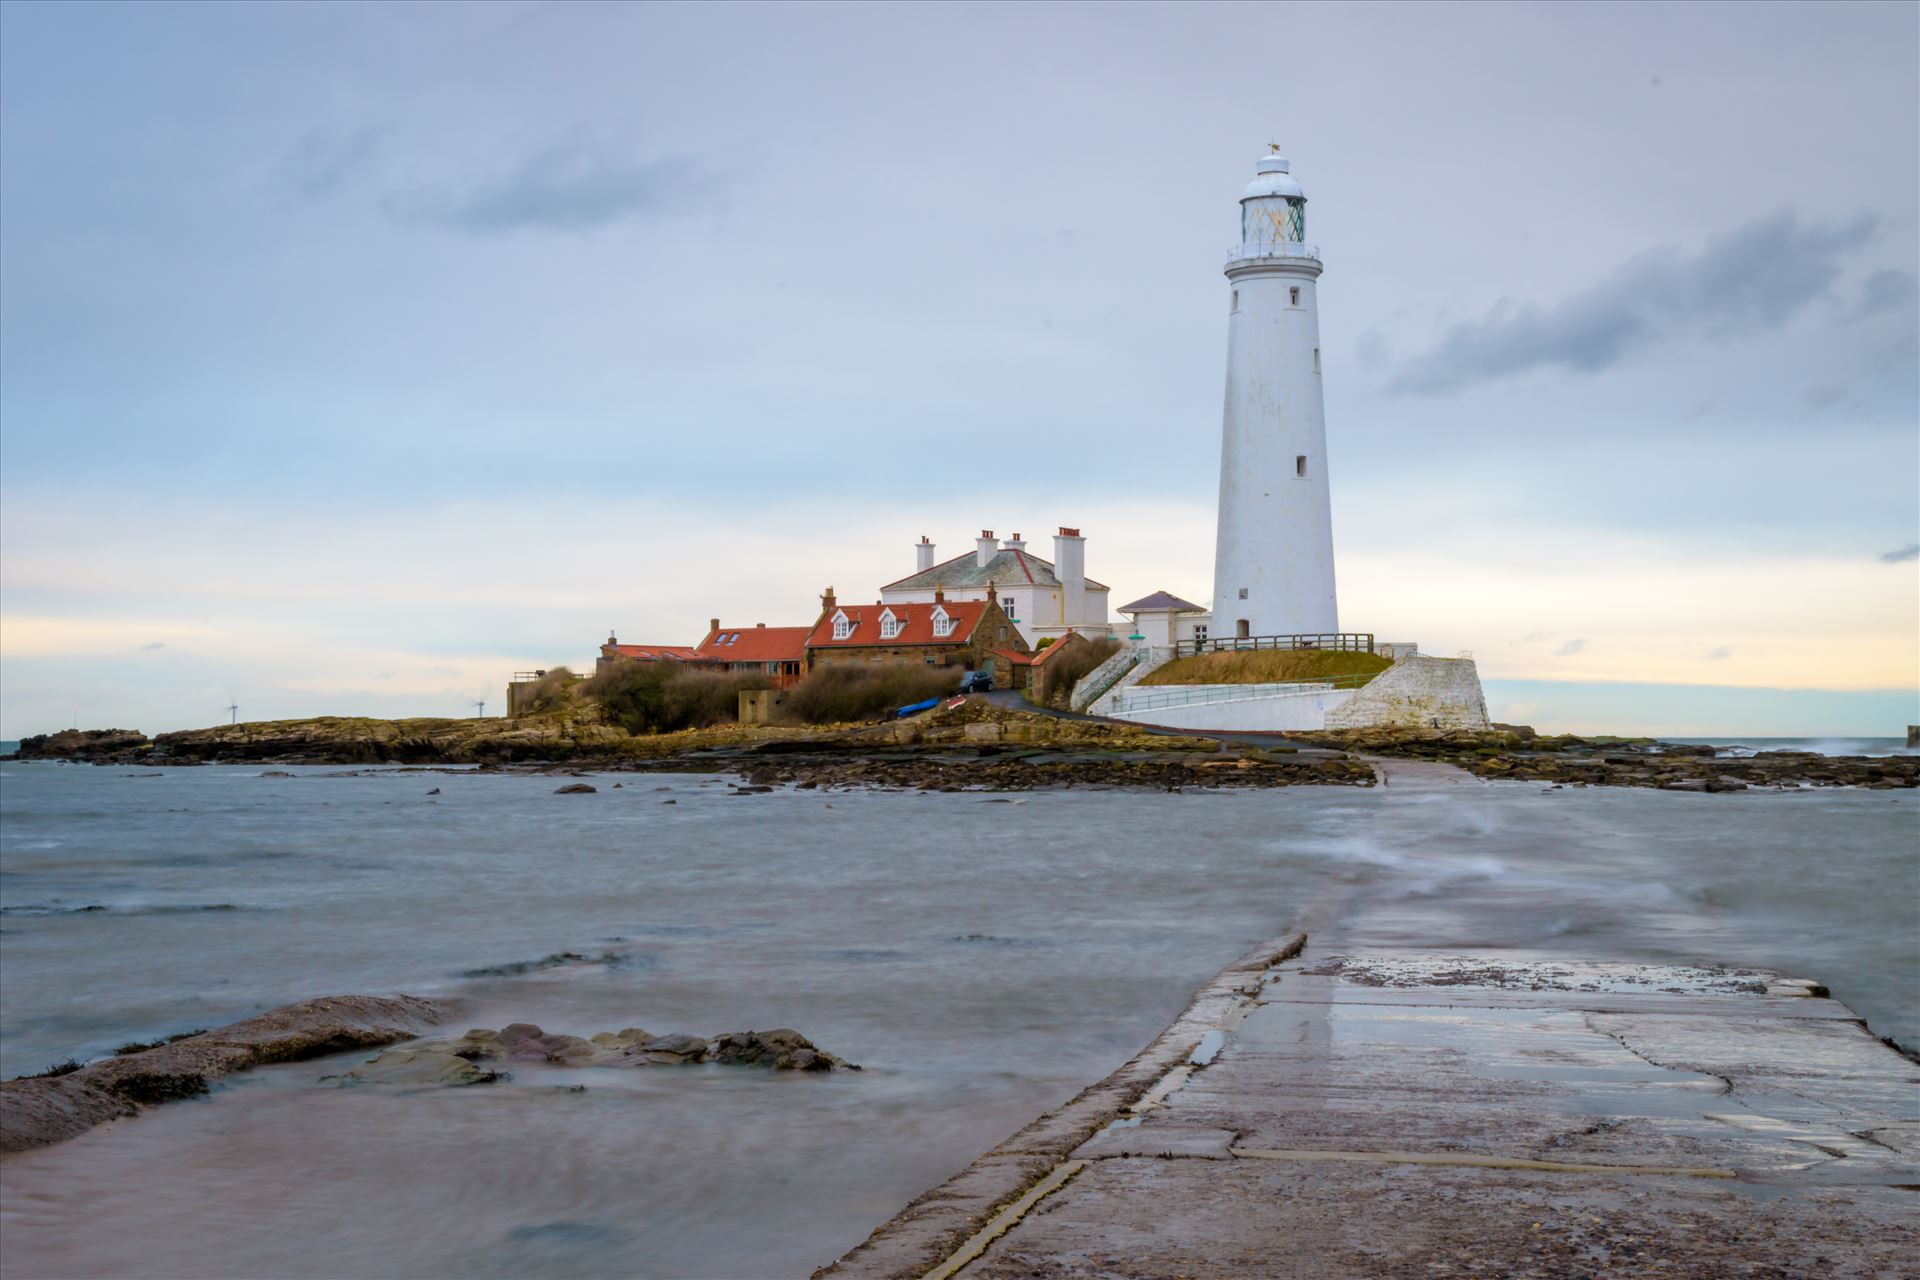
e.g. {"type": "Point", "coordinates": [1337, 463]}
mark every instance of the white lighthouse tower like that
{"type": "Point", "coordinates": [1273, 563]}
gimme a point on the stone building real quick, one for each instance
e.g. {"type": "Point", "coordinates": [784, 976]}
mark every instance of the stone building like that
{"type": "Point", "coordinates": [778, 653]}
{"type": "Point", "coordinates": [613, 651]}
{"type": "Point", "coordinates": [1040, 597]}
{"type": "Point", "coordinates": [961, 634]}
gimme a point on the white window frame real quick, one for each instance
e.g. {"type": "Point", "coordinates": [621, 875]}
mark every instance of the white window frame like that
{"type": "Point", "coordinates": [842, 626]}
{"type": "Point", "coordinates": [942, 622]}
{"type": "Point", "coordinates": [890, 625]}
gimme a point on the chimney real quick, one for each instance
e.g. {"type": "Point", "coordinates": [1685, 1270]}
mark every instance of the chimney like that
{"type": "Point", "coordinates": [993, 594]}
{"type": "Point", "coordinates": [713, 624]}
{"type": "Point", "coordinates": [827, 601]}
{"type": "Point", "coordinates": [922, 555]}
{"type": "Point", "coordinates": [984, 548]}
{"type": "Point", "coordinates": [759, 626]}
{"type": "Point", "coordinates": [939, 595]}
{"type": "Point", "coordinates": [1070, 566]}
{"type": "Point", "coordinates": [1015, 544]}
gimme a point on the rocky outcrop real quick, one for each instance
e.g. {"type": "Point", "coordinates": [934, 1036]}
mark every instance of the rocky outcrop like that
{"type": "Point", "coordinates": [41, 1110]}
{"type": "Point", "coordinates": [82, 744]}
{"type": "Point", "coordinates": [1516, 752]}
{"type": "Point", "coordinates": [481, 1056]}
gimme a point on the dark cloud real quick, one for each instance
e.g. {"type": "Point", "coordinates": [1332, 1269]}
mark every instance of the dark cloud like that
{"type": "Point", "coordinates": [1754, 277]}
{"type": "Point", "coordinates": [1886, 291]}
{"type": "Point", "coordinates": [1570, 648]}
{"type": "Point", "coordinates": [572, 185]}
{"type": "Point", "coordinates": [1909, 552]}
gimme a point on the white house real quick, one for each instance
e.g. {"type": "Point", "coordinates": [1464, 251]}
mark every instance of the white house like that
{"type": "Point", "coordinates": [1041, 597]}
{"type": "Point", "coordinates": [1163, 620]}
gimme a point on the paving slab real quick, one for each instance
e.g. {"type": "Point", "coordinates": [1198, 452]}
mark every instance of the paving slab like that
{"type": "Point", "coordinates": [1410, 1113]}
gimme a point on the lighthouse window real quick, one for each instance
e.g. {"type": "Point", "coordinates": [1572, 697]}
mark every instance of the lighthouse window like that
{"type": "Point", "coordinates": [1300, 465]}
{"type": "Point", "coordinates": [1243, 593]}
{"type": "Point", "coordinates": [1316, 359]}
{"type": "Point", "coordinates": [1236, 299]}
{"type": "Point", "coordinates": [1293, 296]}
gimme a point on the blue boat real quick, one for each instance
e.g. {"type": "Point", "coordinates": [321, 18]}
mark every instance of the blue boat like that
{"type": "Point", "coordinates": [916, 708]}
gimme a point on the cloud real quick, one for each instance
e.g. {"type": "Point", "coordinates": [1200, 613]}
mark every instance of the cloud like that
{"type": "Point", "coordinates": [572, 185]}
{"type": "Point", "coordinates": [1719, 652]}
{"type": "Point", "coordinates": [1885, 291]}
{"type": "Point", "coordinates": [1756, 276]}
{"type": "Point", "coordinates": [1901, 555]}
{"type": "Point", "coordinates": [149, 648]}
{"type": "Point", "coordinates": [1570, 648]}
{"type": "Point", "coordinates": [320, 164]}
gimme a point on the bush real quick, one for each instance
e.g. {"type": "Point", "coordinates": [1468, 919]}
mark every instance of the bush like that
{"type": "Point", "coordinates": [550, 692]}
{"type": "Point", "coordinates": [842, 691]}
{"type": "Point", "coordinates": [660, 697]}
{"type": "Point", "coordinates": [1074, 665]}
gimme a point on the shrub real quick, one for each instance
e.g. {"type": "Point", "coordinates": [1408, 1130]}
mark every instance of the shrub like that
{"type": "Point", "coordinates": [1073, 666]}
{"type": "Point", "coordinates": [550, 692]}
{"type": "Point", "coordinates": [659, 697]}
{"type": "Point", "coordinates": [842, 691]}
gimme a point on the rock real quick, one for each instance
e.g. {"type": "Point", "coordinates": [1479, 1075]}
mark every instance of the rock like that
{"type": "Point", "coordinates": [576, 789]}
{"type": "Point", "coordinates": [419, 1064]}
{"type": "Point", "coordinates": [276, 773]}
{"type": "Point", "coordinates": [434, 792]}
{"type": "Point", "coordinates": [1725, 784]}
{"type": "Point", "coordinates": [39, 1112]}
{"type": "Point", "coordinates": [680, 1045]}
{"type": "Point", "coordinates": [669, 802]}
{"type": "Point", "coordinates": [1685, 784]}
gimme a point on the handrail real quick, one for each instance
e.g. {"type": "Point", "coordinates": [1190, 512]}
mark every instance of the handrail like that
{"type": "Point", "coordinates": [1341, 641]}
{"type": "Point", "coordinates": [1273, 249]}
{"type": "Point", "coordinates": [1155, 697]}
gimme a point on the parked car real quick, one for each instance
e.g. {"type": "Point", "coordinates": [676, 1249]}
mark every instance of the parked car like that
{"type": "Point", "coordinates": [977, 682]}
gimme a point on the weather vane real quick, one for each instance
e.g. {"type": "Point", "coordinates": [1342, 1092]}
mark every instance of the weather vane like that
{"type": "Point", "coordinates": [1274, 147]}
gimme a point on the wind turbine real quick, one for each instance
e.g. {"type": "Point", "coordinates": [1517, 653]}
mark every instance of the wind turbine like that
{"type": "Point", "coordinates": [480, 707]}
{"type": "Point", "coordinates": [233, 711]}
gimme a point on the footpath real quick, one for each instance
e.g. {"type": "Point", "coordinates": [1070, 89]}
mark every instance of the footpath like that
{"type": "Point", "coordinates": [1322, 1113]}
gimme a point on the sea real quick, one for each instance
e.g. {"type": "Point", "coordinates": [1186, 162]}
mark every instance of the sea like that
{"type": "Point", "coordinates": [982, 956]}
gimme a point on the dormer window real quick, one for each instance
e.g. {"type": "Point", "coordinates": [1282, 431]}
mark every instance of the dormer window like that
{"type": "Point", "coordinates": [889, 625]}
{"type": "Point", "coordinates": [942, 622]}
{"type": "Point", "coordinates": [842, 626]}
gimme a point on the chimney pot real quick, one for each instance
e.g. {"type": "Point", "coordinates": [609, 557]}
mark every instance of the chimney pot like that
{"type": "Point", "coordinates": [759, 626]}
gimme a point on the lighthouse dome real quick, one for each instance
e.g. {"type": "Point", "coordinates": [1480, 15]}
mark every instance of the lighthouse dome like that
{"type": "Point", "coordinates": [1271, 177]}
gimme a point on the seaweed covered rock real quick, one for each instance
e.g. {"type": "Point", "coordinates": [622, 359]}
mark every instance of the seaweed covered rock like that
{"type": "Point", "coordinates": [470, 1059]}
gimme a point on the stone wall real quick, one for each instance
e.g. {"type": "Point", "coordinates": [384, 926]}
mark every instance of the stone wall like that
{"type": "Point", "coordinates": [1417, 692]}
{"type": "Point", "coordinates": [1265, 709]}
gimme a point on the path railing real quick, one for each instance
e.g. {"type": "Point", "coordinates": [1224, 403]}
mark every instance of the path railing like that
{"type": "Point", "coordinates": [1341, 641]}
{"type": "Point", "coordinates": [1157, 697]}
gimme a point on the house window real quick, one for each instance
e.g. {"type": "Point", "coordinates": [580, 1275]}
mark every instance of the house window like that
{"type": "Point", "coordinates": [1003, 633]}
{"type": "Point", "coordinates": [1316, 359]}
{"type": "Point", "coordinates": [1007, 606]}
{"type": "Point", "coordinates": [1293, 296]}
{"type": "Point", "coordinates": [1243, 593]}
{"type": "Point", "coordinates": [942, 622]}
{"type": "Point", "coordinates": [931, 660]}
{"type": "Point", "coordinates": [842, 626]}
{"type": "Point", "coordinates": [889, 625]}
{"type": "Point", "coordinates": [1300, 465]}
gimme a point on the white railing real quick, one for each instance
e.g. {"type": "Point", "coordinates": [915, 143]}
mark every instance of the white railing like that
{"type": "Point", "coordinates": [1157, 697]}
{"type": "Point", "coordinates": [1273, 249]}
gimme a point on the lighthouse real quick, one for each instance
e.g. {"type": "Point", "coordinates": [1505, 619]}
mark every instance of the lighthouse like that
{"type": "Point", "coordinates": [1273, 561]}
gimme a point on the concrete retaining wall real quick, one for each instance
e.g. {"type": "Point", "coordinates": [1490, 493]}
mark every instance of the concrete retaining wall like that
{"type": "Point", "coordinates": [1271, 713]}
{"type": "Point", "coordinates": [1417, 692]}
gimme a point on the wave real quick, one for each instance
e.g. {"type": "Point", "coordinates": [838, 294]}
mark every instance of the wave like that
{"type": "Point", "coordinates": [130, 909]}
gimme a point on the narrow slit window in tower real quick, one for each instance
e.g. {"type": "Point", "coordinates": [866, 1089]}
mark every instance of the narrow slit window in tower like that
{"type": "Point", "coordinates": [1236, 299]}
{"type": "Point", "coordinates": [1293, 296]}
{"type": "Point", "coordinates": [1300, 465]}
{"type": "Point", "coordinates": [1316, 359]}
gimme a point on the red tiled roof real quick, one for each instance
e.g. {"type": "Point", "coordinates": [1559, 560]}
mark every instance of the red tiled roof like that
{"type": "Point", "coordinates": [652, 652]}
{"type": "Point", "coordinates": [1014, 656]}
{"type": "Point", "coordinates": [1057, 645]}
{"type": "Point", "coordinates": [754, 644]}
{"type": "Point", "coordinates": [916, 628]}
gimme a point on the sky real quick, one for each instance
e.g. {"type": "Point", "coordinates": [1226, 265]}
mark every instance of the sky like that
{"type": "Point", "coordinates": [353, 357]}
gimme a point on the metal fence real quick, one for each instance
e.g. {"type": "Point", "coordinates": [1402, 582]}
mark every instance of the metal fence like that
{"type": "Point", "coordinates": [1340, 641]}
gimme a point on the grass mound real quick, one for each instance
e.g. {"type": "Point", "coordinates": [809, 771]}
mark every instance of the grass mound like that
{"type": "Point", "coordinates": [1266, 666]}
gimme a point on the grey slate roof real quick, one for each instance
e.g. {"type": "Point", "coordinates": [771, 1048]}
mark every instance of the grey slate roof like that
{"type": "Point", "coordinates": [1162, 600]}
{"type": "Point", "coordinates": [1007, 569]}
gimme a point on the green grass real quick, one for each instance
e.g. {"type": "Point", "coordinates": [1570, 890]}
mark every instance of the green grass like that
{"type": "Point", "coordinates": [1266, 666]}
